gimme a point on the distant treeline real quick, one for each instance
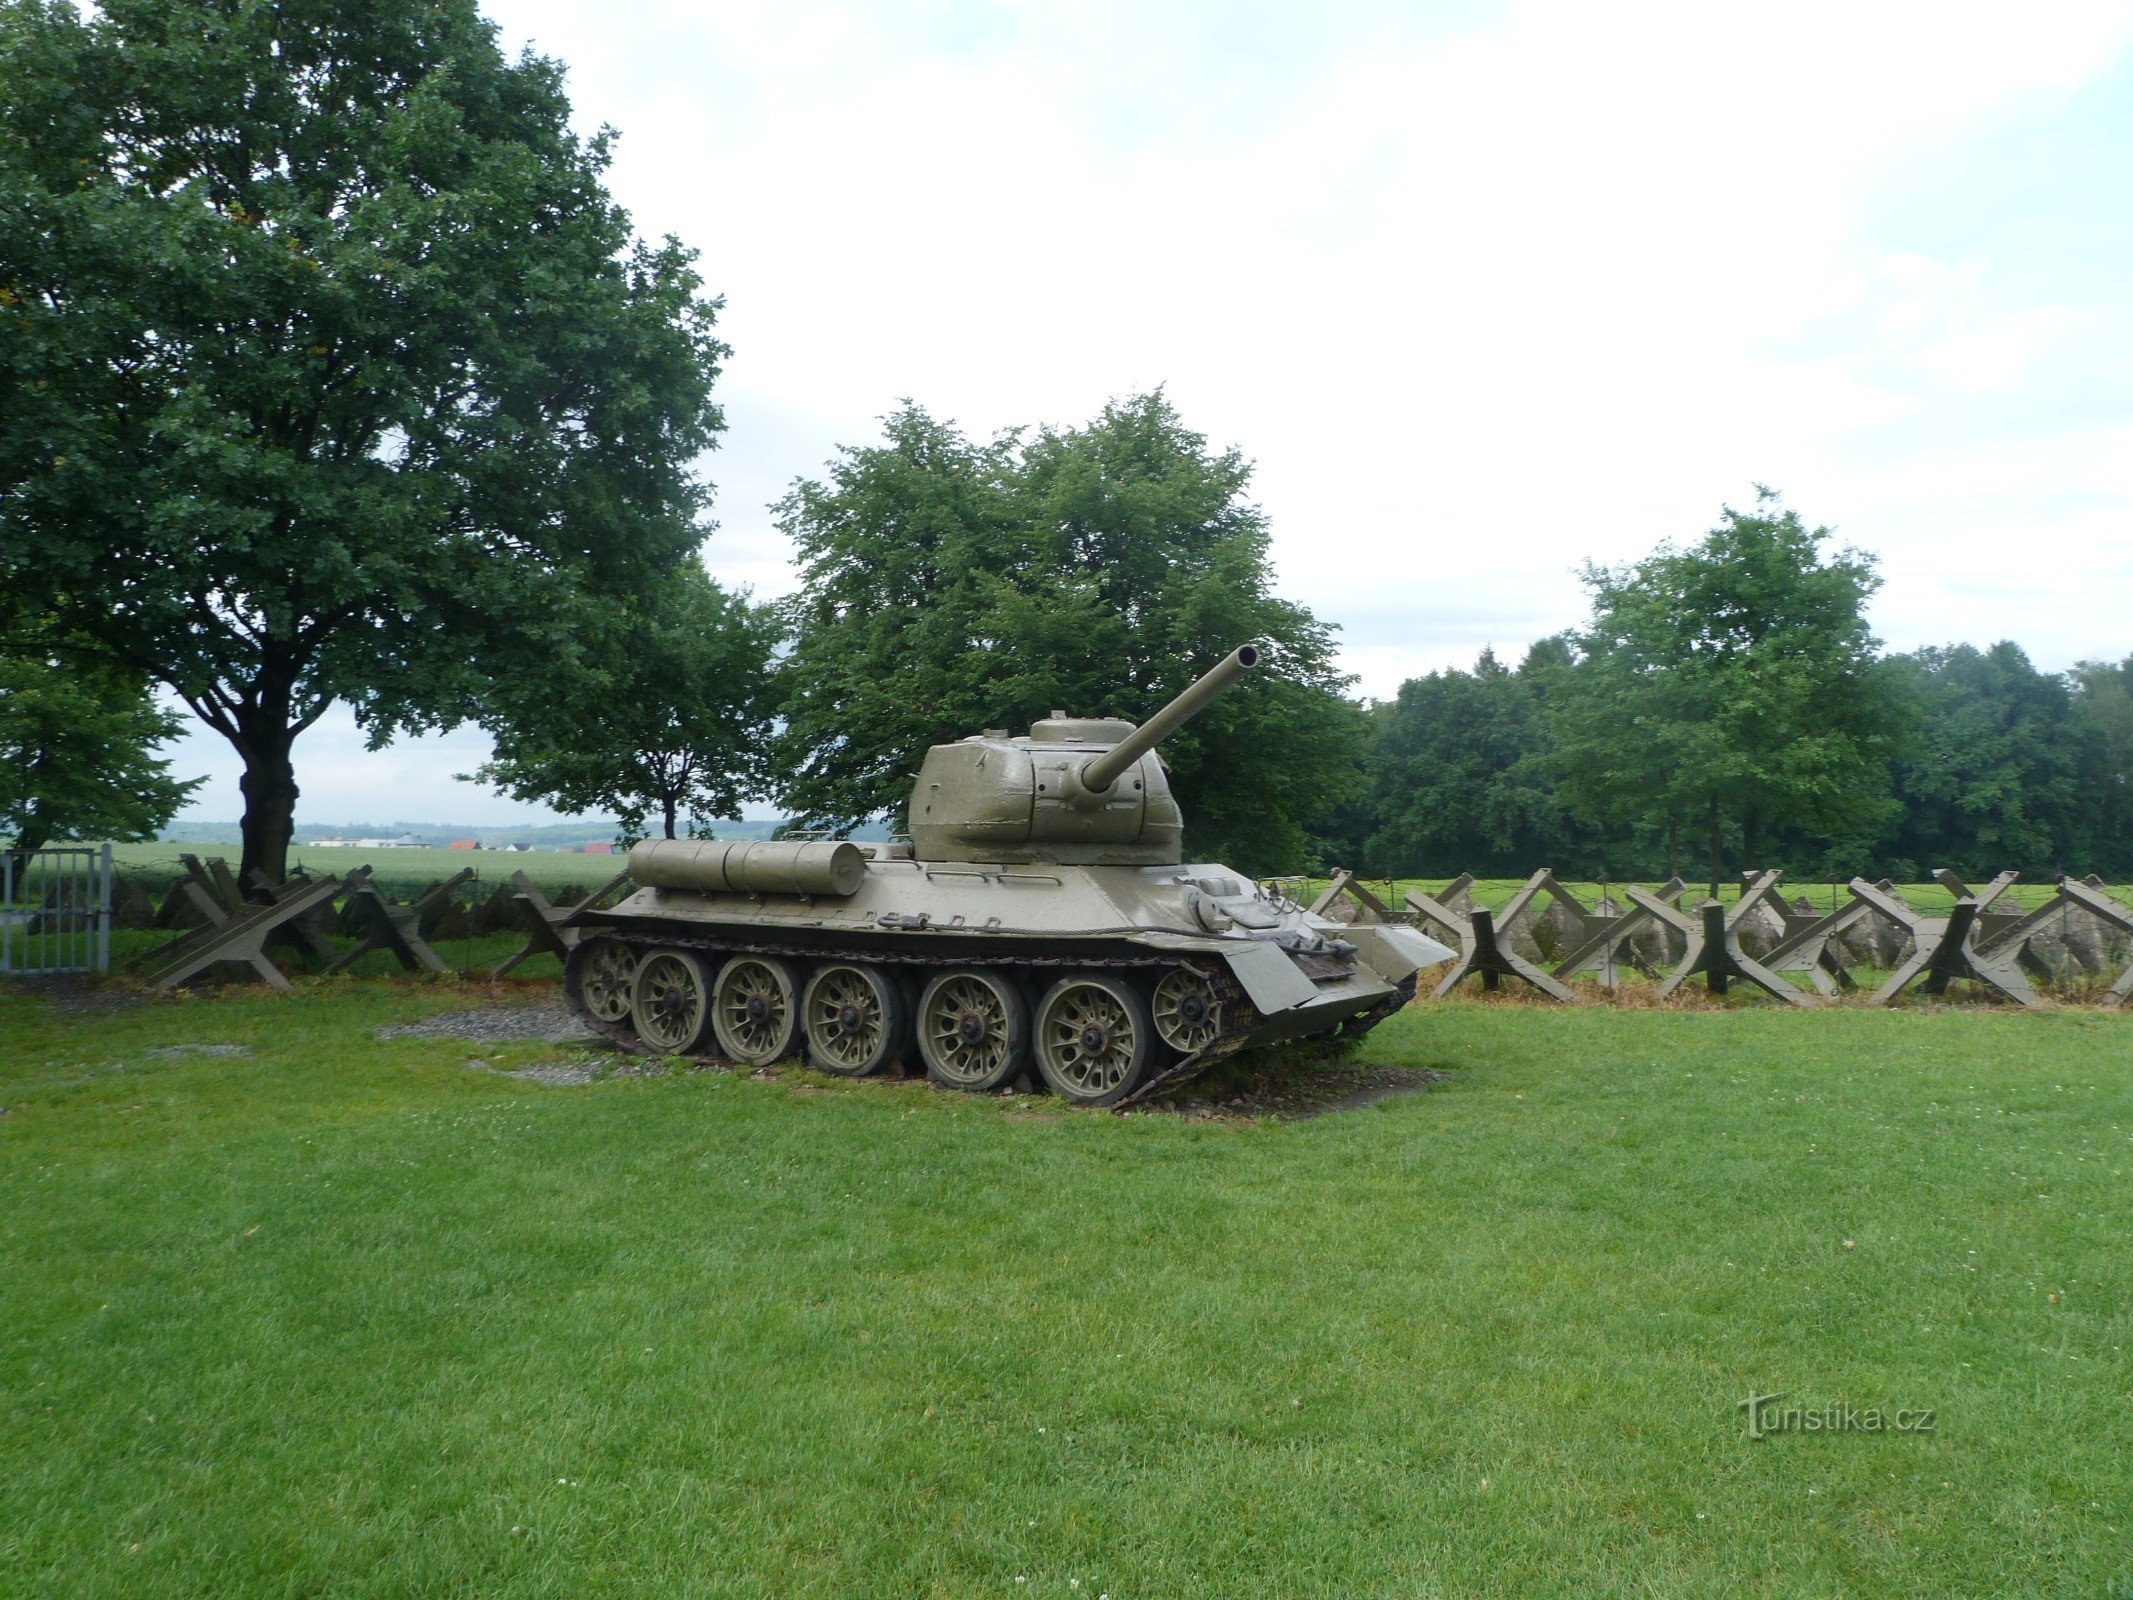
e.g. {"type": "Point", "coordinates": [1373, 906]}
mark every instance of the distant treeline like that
{"type": "Point", "coordinates": [1973, 759]}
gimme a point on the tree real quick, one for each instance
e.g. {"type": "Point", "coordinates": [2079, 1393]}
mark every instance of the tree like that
{"type": "Point", "coordinates": [333, 374]}
{"type": "Point", "coordinates": [1998, 769]}
{"type": "Point", "coordinates": [951, 585]}
{"type": "Point", "coordinates": [77, 744]}
{"type": "Point", "coordinates": [2103, 698]}
{"type": "Point", "coordinates": [1458, 772]}
{"type": "Point", "coordinates": [664, 714]}
{"type": "Point", "coordinates": [1734, 682]}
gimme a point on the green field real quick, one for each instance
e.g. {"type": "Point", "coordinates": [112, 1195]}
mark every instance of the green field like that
{"type": "Point", "coordinates": [341, 1316]}
{"type": "Point", "coordinates": [400, 871]}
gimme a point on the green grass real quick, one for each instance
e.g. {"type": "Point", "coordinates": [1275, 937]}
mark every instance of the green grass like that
{"type": "Point", "coordinates": [344, 1317]}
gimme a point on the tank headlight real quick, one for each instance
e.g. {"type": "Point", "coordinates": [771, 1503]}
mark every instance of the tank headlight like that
{"type": "Point", "coordinates": [1207, 913]}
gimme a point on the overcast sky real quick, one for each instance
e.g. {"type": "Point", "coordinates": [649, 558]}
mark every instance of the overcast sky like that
{"type": "Point", "coordinates": [1485, 290]}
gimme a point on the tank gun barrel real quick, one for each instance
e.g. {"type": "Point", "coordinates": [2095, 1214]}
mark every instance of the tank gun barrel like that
{"type": "Point", "coordinates": [1100, 772]}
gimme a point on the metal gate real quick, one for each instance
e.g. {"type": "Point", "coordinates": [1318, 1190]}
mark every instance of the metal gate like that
{"type": "Point", "coordinates": [55, 910]}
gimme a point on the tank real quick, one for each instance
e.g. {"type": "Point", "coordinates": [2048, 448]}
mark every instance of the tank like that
{"type": "Point", "coordinates": [1039, 920]}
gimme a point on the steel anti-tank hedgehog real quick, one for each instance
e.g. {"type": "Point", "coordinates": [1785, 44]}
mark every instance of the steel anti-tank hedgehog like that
{"type": "Point", "coordinates": [1040, 913]}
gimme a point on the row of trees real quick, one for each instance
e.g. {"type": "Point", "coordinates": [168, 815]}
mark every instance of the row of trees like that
{"type": "Point", "coordinates": [1726, 705]}
{"type": "Point", "coordinates": [334, 375]}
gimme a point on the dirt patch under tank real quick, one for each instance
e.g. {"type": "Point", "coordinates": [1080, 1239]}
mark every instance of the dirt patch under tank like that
{"type": "Point", "coordinates": [1261, 1084]}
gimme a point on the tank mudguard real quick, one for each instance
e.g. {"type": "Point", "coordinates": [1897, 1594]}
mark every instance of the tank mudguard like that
{"type": "Point", "coordinates": [1269, 977]}
{"type": "Point", "coordinates": [1394, 952]}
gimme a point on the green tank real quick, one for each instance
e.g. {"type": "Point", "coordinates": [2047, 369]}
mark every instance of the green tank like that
{"type": "Point", "coordinates": [1040, 917]}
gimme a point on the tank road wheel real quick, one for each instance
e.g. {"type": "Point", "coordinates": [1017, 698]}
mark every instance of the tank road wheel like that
{"type": "Point", "coordinates": [1187, 1014]}
{"type": "Point", "coordinates": [973, 1029]}
{"type": "Point", "coordinates": [600, 973]}
{"type": "Point", "coordinates": [854, 1018]}
{"type": "Point", "coordinates": [670, 1002]}
{"type": "Point", "coordinates": [1093, 1039]}
{"type": "Point", "coordinates": [755, 1010]}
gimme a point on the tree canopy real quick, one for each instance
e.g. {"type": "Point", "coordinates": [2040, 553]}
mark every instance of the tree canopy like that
{"type": "Point", "coordinates": [950, 585]}
{"type": "Point", "coordinates": [2104, 702]}
{"type": "Point", "coordinates": [78, 735]}
{"type": "Point", "coordinates": [1734, 681]}
{"type": "Point", "coordinates": [1998, 768]}
{"type": "Point", "coordinates": [334, 374]}
{"type": "Point", "coordinates": [662, 717]}
{"type": "Point", "coordinates": [1733, 690]}
{"type": "Point", "coordinates": [1457, 770]}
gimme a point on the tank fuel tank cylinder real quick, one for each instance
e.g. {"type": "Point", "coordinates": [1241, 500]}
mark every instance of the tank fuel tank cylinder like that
{"type": "Point", "coordinates": [762, 866]}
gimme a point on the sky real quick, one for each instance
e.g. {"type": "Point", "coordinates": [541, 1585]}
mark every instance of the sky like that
{"type": "Point", "coordinates": [1485, 291]}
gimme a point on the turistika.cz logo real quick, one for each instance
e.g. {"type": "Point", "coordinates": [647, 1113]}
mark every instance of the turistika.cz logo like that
{"type": "Point", "coordinates": [1768, 1414]}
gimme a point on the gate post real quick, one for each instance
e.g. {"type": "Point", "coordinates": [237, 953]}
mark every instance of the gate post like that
{"type": "Point", "coordinates": [103, 915]}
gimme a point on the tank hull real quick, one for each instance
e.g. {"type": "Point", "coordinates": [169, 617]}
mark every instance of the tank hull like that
{"type": "Point", "coordinates": [1265, 969]}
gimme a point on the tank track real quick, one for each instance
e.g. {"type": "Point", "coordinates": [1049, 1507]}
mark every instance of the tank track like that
{"type": "Point", "coordinates": [1240, 1018]}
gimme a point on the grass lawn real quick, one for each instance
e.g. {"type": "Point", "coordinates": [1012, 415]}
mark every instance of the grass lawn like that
{"type": "Point", "coordinates": [343, 1317]}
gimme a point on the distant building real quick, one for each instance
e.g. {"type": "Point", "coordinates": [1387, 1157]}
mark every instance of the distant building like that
{"type": "Point", "coordinates": [599, 849]}
{"type": "Point", "coordinates": [464, 844]}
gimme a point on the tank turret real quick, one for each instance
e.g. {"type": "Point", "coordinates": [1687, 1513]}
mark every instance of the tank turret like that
{"type": "Point", "coordinates": [1085, 791]}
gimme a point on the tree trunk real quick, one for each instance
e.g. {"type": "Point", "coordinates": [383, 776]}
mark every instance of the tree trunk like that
{"type": "Point", "coordinates": [28, 841]}
{"type": "Point", "coordinates": [269, 785]}
{"type": "Point", "coordinates": [1718, 849]}
{"type": "Point", "coordinates": [1748, 859]}
{"type": "Point", "coordinates": [666, 806]}
{"type": "Point", "coordinates": [1673, 848]}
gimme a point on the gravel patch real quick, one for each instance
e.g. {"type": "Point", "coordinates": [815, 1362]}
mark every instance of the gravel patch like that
{"type": "Point", "coordinates": [559, 1074]}
{"type": "Point", "coordinates": [179, 1052]}
{"type": "Point", "coordinates": [1291, 1095]}
{"type": "Point", "coordinates": [549, 1023]}
{"type": "Point", "coordinates": [80, 997]}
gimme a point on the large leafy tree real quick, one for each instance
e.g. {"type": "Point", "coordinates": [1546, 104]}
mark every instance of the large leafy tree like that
{"type": "Point", "coordinates": [1733, 686]}
{"type": "Point", "coordinates": [333, 373]}
{"type": "Point", "coordinates": [78, 736]}
{"type": "Point", "coordinates": [1998, 768]}
{"type": "Point", "coordinates": [951, 585]}
{"type": "Point", "coordinates": [663, 719]}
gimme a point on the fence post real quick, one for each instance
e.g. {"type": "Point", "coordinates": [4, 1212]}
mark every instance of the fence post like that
{"type": "Point", "coordinates": [103, 916]}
